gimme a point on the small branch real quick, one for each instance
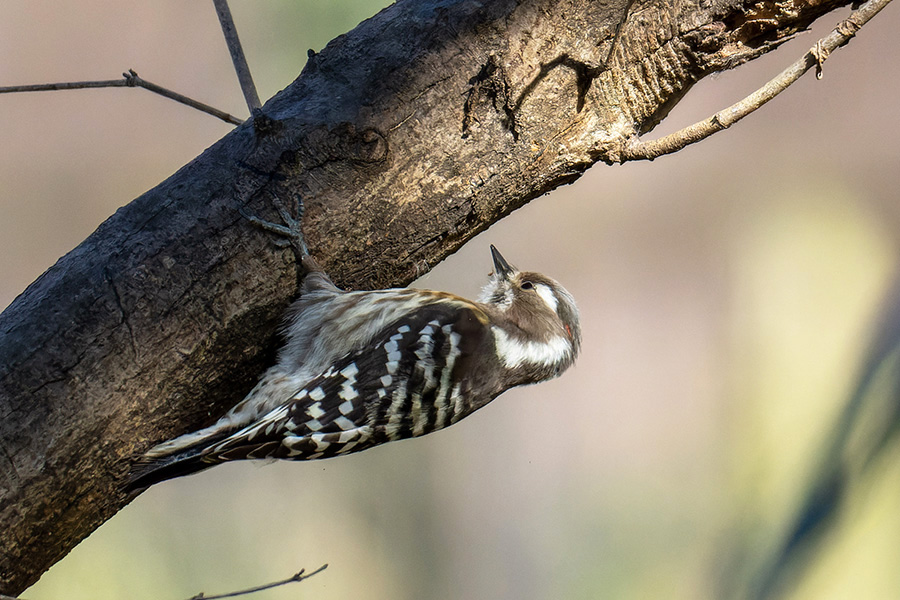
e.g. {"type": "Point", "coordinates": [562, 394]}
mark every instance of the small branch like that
{"type": "Point", "coordinates": [296, 577]}
{"type": "Point", "coordinates": [129, 79]}
{"type": "Point", "coordinates": [132, 80]}
{"type": "Point", "coordinates": [70, 85]}
{"type": "Point", "coordinates": [237, 55]}
{"type": "Point", "coordinates": [815, 57]}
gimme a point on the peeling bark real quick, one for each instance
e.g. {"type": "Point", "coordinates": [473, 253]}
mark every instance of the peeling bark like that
{"type": "Point", "coordinates": [406, 137]}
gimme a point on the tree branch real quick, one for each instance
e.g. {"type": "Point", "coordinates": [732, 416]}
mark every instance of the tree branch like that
{"type": "Point", "coordinates": [296, 577]}
{"type": "Point", "coordinates": [815, 57]}
{"type": "Point", "coordinates": [129, 79]}
{"type": "Point", "coordinates": [237, 54]}
{"type": "Point", "coordinates": [293, 578]}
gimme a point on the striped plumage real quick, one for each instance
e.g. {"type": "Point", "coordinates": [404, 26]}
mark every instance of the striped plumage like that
{"type": "Point", "coordinates": [363, 368]}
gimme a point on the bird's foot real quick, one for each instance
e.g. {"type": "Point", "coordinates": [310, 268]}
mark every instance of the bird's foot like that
{"type": "Point", "coordinates": [290, 230]}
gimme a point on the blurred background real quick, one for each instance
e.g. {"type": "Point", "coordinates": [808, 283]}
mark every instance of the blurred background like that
{"type": "Point", "coordinates": [730, 295]}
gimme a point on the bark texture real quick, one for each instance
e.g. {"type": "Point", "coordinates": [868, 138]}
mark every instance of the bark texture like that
{"type": "Point", "coordinates": [406, 137]}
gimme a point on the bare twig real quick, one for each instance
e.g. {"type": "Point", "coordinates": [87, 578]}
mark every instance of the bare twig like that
{"type": "Point", "coordinates": [296, 577]}
{"type": "Point", "coordinates": [815, 57]}
{"type": "Point", "coordinates": [237, 55]}
{"type": "Point", "coordinates": [129, 79]}
{"type": "Point", "coordinates": [132, 79]}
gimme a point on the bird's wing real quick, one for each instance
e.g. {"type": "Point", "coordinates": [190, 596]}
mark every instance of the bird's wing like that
{"type": "Point", "coordinates": [406, 384]}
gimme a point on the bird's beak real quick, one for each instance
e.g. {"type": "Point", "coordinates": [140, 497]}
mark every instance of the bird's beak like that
{"type": "Point", "coordinates": [501, 267]}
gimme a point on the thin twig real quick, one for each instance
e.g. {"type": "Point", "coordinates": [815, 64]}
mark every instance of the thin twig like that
{"type": "Point", "coordinates": [132, 79]}
{"type": "Point", "coordinates": [237, 55]}
{"type": "Point", "coordinates": [842, 33]}
{"type": "Point", "coordinates": [296, 577]}
{"type": "Point", "coordinates": [129, 79]}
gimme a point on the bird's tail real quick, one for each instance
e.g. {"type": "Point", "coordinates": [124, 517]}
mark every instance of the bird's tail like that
{"type": "Point", "coordinates": [186, 454]}
{"type": "Point", "coordinates": [148, 471]}
{"type": "Point", "coordinates": [182, 456]}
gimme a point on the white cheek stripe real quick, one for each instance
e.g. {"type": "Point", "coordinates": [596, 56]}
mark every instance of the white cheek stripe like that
{"type": "Point", "coordinates": [514, 353]}
{"type": "Point", "coordinates": [547, 295]}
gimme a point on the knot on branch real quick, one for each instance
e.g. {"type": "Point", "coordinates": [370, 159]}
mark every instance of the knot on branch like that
{"type": "Point", "coordinates": [264, 125]}
{"type": "Point", "coordinates": [131, 78]}
{"type": "Point", "coordinates": [345, 142]}
{"type": "Point", "coordinates": [848, 27]}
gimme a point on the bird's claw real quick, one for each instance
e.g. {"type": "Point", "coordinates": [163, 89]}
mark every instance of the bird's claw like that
{"type": "Point", "coordinates": [290, 229]}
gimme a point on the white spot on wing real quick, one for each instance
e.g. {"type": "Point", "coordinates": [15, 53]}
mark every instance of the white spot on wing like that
{"type": "Point", "coordinates": [345, 423]}
{"type": "Point", "coordinates": [348, 392]}
{"type": "Point", "coordinates": [315, 410]}
{"type": "Point", "coordinates": [347, 436]}
{"type": "Point", "coordinates": [393, 352]}
{"type": "Point", "coordinates": [320, 442]}
{"type": "Point", "coordinates": [354, 437]}
{"type": "Point", "coordinates": [425, 364]}
{"type": "Point", "coordinates": [294, 444]}
{"type": "Point", "coordinates": [442, 400]}
{"type": "Point", "coordinates": [457, 400]}
{"type": "Point", "coordinates": [395, 414]}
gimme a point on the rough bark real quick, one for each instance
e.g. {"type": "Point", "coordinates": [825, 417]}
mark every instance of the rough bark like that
{"type": "Point", "coordinates": [406, 137]}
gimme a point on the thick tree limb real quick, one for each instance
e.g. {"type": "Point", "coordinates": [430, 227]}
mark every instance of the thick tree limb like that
{"type": "Point", "coordinates": [406, 137]}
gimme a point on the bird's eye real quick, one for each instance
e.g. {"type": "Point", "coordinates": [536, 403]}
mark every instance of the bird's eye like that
{"type": "Point", "coordinates": [527, 285]}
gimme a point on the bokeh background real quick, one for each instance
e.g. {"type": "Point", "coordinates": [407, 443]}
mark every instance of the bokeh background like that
{"type": "Point", "coordinates": [728, 295]}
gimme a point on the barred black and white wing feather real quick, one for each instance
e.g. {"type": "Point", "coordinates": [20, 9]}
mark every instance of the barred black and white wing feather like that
{"type": "Point", "coordinates": [407, 384]}
{"type": "Point", "coordinates": [360, 369]}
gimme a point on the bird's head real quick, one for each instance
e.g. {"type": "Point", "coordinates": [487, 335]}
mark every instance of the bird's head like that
{"type": "Point", "coordinates": [538, 321]}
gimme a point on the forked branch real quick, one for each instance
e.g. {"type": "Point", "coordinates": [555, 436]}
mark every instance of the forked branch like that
{"type": "Point", "coordinates": [201, 596]}
{"type": "Point", "coordinates": [295, 577]}
{"type": "Point", "coordinates": [636, 149]}
{"type": "Point", "coordinates": [129, 79]}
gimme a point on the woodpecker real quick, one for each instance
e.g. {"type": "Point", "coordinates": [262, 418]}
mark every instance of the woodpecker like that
{"type": "Point", "coordinates": [361, 368]}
